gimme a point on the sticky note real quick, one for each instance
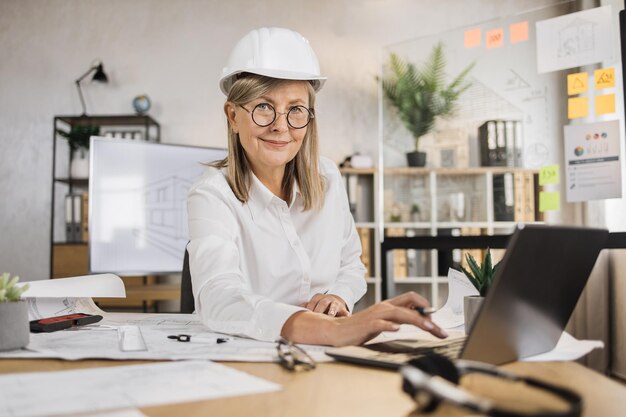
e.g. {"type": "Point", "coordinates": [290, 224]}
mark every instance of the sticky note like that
{"type": "Point", "coordinates": [605, 104]}
{"type": "Point", "coordinates": [577, 83]}
{"type": "Point", "coordinates": [577, 107]}
{"type": "Point", "coordinates": [472, 38]}
{"type": "Point", "coordinates": [549, 174]}
{"type": "Point", "coordinates": [605, 78]}
{"type": "Point", "coordinates": [495, 38]}
{"type": "Point", "coordinates": [549, 201]}
{"type": "Point", "coordinates": [518, 32]}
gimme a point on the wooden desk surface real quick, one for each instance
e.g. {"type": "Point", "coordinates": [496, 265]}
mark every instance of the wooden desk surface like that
{"type": "Point", "coordinates": [339, 390]}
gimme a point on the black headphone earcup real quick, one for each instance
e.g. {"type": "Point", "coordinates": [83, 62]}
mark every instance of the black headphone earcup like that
{"type": "Point", "coordinates": [437, 365]}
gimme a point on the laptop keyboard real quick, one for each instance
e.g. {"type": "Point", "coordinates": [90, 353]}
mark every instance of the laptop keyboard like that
{"type": "Point", "coordinates": [417, 348]}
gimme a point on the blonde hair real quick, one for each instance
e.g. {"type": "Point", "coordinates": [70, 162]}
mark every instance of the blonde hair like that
{"type": "Point", "coordinates": [304, 167]}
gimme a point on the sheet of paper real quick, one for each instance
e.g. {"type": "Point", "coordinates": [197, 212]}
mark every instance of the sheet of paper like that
{"type": "Point", "coordinates": [575, 40]}
{"type": "Point", "coordinates": [577, 83]}
{"type": "Point", "coordinates": [452, 315]}
{"type": "Point", "coordinates": [592, 161]}
{"type": "Point", "coordinates": [518, 32]}
{"type": "Point", "coordinates": [97, 389]}
{"type": "Point", "coordinates": [568, 348]}
{"type": "Point", "coordinates": [605, 104]}
{"type": "Point", "coordinates": [471, 38]}
{"type": "Point", "coordinates": [126, 412]}
{"type": "Point", "coordinates": [604, 78]}
{"type": "Point", "coordinates": [102, 341]}
{"type": "Point", "coordinates": [577, 107]}
{"type": "Point", "coordinates": [100, 285]}
{"type": "Point", "coordinates": [39, 308]}
{"type": "Point", "coordinates": [549, 201]}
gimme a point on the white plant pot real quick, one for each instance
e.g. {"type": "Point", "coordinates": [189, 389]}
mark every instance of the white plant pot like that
{"type": "Point", "coordinates": [471, 305]}
{"type": "Point", "coordinates": [79, 167]}
{"type": "Point", "coordinates": [14, 328]}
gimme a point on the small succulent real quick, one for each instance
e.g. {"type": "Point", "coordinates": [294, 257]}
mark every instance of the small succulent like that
{"type": "Point", "coordinates": [481, 276]}
{"type": "Point", "coordinates": [9, 291]}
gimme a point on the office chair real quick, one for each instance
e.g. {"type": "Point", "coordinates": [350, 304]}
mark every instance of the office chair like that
{"type": "Point", "coordinates": [187, 305]}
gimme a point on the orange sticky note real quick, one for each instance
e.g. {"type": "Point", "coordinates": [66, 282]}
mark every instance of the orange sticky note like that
{"type": "Point", "coordinates": [472, 38]}
{"type": "Point", "coordinates": [495, 38]}
{"type": "Point", "coordinates": [605, 78]}
{"type": "Point", "coordinates": [605, 104]}
{"type": "Point", "coordinates": [577, 83]}
{"type": "Point", "coordinates": [577, 107]}
{"type": "Point", "coordinates": [518, 32]}
{"type": "Point", "coordinates": [549, 201]}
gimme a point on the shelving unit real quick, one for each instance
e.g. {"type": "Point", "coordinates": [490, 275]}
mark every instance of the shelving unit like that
{"type": "Point", "coordinates": [70, 257]}
{"type": "Point", "coordinates": [451, 201]}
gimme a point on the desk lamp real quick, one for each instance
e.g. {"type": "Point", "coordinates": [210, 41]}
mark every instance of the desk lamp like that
{"type": "Point", "coordinates": [99, 75]}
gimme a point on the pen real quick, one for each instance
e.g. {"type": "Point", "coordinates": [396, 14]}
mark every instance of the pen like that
{"type": "Point", "coordinates": [424, 311]}
{"type": "Point", "coordinates": [187, 338]}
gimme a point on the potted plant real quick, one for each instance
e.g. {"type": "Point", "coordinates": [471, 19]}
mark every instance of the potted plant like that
{"type": "Point", "coordinates": [420, 95]}
{"type": "Point", "coordinates": [14, 329]}
{"type": "Point", "coordinates": [78, 141]}
{"type": "Point", "coordinates": [481, 276]}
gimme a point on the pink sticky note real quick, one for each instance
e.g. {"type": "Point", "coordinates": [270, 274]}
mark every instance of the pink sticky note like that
{"type": "Point", "coordinates": [495, 38]}
{"type": "Point", "coordinates": [518, 32]}
{"type": "Point", "coordinates": [472, 38]}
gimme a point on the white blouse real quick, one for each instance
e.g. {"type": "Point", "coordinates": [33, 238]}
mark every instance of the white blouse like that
{"type": "Point", "coordinates": [253, 265]}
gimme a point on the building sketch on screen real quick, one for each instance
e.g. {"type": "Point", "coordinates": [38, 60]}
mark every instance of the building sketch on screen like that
{"type": "Point", "coordinates": [165, 202]}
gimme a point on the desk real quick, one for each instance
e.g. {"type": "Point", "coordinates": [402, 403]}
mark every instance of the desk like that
{"type": "Point", "coordinates": [339, 390]}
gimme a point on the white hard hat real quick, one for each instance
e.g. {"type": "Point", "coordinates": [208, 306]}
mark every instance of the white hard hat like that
{"type": "Point", "coordinates": [273, 52]}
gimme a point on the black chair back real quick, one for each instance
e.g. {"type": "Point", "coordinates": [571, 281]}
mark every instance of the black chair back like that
{"type": "Point", "coordinates": [187, 305]}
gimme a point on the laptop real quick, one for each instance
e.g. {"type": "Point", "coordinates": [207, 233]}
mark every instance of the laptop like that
{"type": "Point", "coordinates": [535, 290]}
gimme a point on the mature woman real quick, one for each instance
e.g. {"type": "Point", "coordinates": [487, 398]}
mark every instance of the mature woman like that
{"type": "Point", "coordinates": [273, 247]}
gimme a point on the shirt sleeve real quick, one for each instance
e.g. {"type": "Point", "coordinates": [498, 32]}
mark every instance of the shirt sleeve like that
{"type": "Point", "coordinates": [223, 296]}
{"type": "Point", "coordinates": [350, 284]}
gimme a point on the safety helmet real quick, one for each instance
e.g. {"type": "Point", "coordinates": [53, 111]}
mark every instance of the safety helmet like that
{"type": "Point", "coordinates": [273, 52]}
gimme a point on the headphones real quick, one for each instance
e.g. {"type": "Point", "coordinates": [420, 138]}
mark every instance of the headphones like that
{"type": "Point", "coordinates": [432, 379]}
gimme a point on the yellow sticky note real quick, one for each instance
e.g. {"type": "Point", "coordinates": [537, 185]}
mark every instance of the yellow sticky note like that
{"type": "Point", "coordinates": [518, 32]}
{"type": "Point", "coordinates": [472, 38]}
{"type": "Point", "coordinates": [605, 78]}
{"type": "Point", "coordinates": [495, 38]}
{"type": "Point", "coordinates": [576, 83]}
{"type": "Point", "coordinates": [549, 201]}
{"type": "Point", "coordinates": [549, 174]}
{"type": "Point", "coordinates": [577, 107]}
{"type": "Point", "coordinates": [605, 104]}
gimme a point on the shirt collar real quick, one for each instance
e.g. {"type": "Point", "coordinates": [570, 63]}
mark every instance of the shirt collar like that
{"type": "Point", "coordinates": [261, 197]}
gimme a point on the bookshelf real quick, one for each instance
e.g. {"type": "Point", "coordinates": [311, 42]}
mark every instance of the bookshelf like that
{"type": "Point", "coordinates": [69, 234]}
{"type": "Point", "coordinates": [433, 202]}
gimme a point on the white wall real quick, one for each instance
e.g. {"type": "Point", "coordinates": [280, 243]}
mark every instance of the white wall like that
{"type": "Point", "coordinates": [174, 51]}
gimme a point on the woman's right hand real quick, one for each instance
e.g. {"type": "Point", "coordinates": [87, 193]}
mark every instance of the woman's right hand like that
{"type": "Point", "coordinates": [385, 316]}
{"type": "Point", "coordinates": [312, 328]}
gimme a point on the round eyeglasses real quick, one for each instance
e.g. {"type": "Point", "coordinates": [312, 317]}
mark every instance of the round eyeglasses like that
{"type": "Point", "coordinates": [264, 114]}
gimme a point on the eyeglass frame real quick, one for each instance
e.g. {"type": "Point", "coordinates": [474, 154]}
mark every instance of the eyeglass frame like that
{"type": "Point", "coordinates": [310, 111]}
{"type": "Point", "coordinates": [289, 360]}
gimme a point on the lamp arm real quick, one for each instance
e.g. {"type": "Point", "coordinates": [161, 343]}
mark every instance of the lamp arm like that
{"type": "Point", "coordinates": [80, 91]}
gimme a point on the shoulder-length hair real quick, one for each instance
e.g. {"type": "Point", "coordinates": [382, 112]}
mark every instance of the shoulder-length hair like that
{"type": "Point", "coordinates": [304, 167]}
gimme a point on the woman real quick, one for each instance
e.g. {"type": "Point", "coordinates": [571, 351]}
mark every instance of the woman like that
{"type": "Point", "coordinates": [273, 247]}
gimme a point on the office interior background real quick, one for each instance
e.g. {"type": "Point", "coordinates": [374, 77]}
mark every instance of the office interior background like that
{"type": "Point", "coordinates": [174, 52]}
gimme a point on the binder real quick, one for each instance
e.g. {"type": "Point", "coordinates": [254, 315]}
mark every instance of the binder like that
{"type": "Point", "coordinates": [503, 197]}
{"type": "Point", "coordinates": [84, 218]}
{"type": "Point", "coordinates": [73, 213]}
{"type": "Point", "coordinates": [519, 199]}
{"type": "Point", "coordinates": [529, 197]}
{"type": "Point", "coordinates": [501, 144]}
{"type": "Point", "coordinates": [398, 262]}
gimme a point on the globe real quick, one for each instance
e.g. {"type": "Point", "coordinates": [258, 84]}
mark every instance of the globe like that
{"type": "Point", "coordinates": [141, 104]}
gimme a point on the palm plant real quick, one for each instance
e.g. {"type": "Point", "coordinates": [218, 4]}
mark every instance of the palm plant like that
{"type": "Point", "coordinates": [481, 276]}
{"type": "Point", "coordinates": [420, 95]}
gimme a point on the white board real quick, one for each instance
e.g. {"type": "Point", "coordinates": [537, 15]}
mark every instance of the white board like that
{"type": "Point", "coordinates": [138, 204]}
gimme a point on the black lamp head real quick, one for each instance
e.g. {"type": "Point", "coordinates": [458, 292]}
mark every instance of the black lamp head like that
{"type": "Point", "coordinates": [100, 75]}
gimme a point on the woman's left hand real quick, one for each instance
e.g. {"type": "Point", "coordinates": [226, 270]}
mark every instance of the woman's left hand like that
{"type": "Point", "coordinates": [328, 304]}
